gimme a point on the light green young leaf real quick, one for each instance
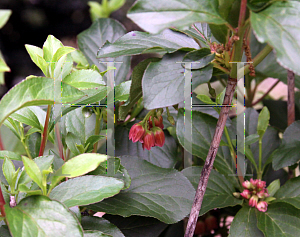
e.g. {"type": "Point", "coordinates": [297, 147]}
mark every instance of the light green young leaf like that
{"type": "Point", "coordinates": [29, 218]}
{"type": "Point", "coordinates": [77, 166]}
{"type": "Point", "coordinates": [34, 91]}
{"type": "Point", "coordinates": [263, 121]}
{"type": "Point", "coordinates": [11, 155]}
{"type": "Point", "coordinates": [79, 58]}
{"type": "Point", "coordinates": [114, 5]}
{"type": "Point", "coordinates": [86, 190]}
{"type": "Point", "coordinates": [96, 10]}
{"type": "Point", "coordinates": [273, 187]}
{"type": "Point", "coordinates": [33, 171]}
{"type": "Point", "coordinates": [4, 16]}
{"type": "Point", "coordinates": [61, 52]}
{"type": "Point", "coordinates": [84, 79]}
{"type": "Point", "coordinates": [206, 99]}
{"type": "Point", "coordinates": [172, 13]}
{"type": "Point", "coordinates": [277, 26]}
{"type": "Point", "coordinates": [8, 169]}
{"type": "Point", "coordinates": [50, 47]}
{"type": "Point", "coordinates": [3, 65]}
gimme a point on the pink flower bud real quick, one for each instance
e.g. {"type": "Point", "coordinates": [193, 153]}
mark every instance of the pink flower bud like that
{"type": "Point", "coordinates": [246, 194]}
{"type": "Point", "coordinates": [253, 201]}
{"type": "Point", "coordinates": [262, 206]}
{"type": "Point", "coordinates": [136, 132]}
{"type": "Point", "coordinates": [159, 137]}
{"type": "Point", "coordinates": [247, 184]}
{"type": "Point", "coordinates": [253, 182]}
{"type": "Point", "coordinates": [260, 184]}
{"type": "Point", "coordinates": [158, 122]}
{"type": "Point", "coordinates": [263, 193]}
{"type": "Point", "coordinates": [149, 140]}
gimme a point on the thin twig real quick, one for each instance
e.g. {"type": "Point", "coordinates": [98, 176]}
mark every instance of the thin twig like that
{"type": "Point", "coordinates": [266, 93]}
{"type": "Point", "coordinates": [59, 142]}
{"type": "Point", "coordinates": [230, 88]}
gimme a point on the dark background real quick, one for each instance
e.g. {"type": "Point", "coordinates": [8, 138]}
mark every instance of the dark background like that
{"type": "Point", "coordinates": [33, 20]}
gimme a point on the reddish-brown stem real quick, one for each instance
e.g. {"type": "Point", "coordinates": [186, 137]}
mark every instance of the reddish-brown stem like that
{"type": "Point", "coordinates": [45, 132]}
{"type": "Point", "coordinates": [2, 203]}
{"type": "Point", "coordinates": [1, 144]}
{"type": "Point", "coordinates": [242, 16]}
{"type": "Point", "coordinates": [266, 93]}
{"type": "Point", "coordinates": [230, 88]}
{"type": "Point", "coordinates": [291, 98]}
{"type": "Point", "coordinates": [59, 142]}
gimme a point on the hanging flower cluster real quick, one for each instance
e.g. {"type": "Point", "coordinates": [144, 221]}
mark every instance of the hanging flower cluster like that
{"type": "Point", "coordinates": [149, 132]}
{"type": "Point", "coordinates": [255, 191]}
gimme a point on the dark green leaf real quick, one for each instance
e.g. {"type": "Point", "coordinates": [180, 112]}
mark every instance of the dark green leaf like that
{"type": "Point", "coordinates": [39, 216]}
{"type": "Point", "coordinates": [96, 223]}
{"type": "Point", "coordinates": [95, 233]}
{"type": "Point", "coordinates": [288, 152]}
{"type": "Point", "coordinates": [136, 42]}
{"type": "Point", "coordinates": [86, 190]}
{"type": "Point", "coordinates": [219, 32]}
{"type": "Point", "coordinates": [203, 130]}
{"type": "Point", "coordinates": [289, 193]}
{"type": "Point", "coordinates": [219, 190]}
{"type": "Point", "coordinates": [245, 224]}
{"type": "Point", "coordinates": [151, 186]}
{"type": "Point", "coordinates": [34, 144]}
{"type": "Point", "coordinates": [4, 231]}
{"type": "Point", "coordinates": [90, 40]}
{"type": "Point", "coordinates": [202, 56]}
{"type": "Point", "coordinates": [173, 13]}
{"type": "Point", "coordinates": [137, 226]}
{"type": "Point", "coordinates": [122, 91]}
{"type": "Point", "coordinates": [279, 220]}
{"type": "Point", "coordinates": [263, 121]}
{"type": "Point", "coordinates": [163, 81]}
{"type": "Point", "coordinates": [277, 26]}
{"type": "Point", "coordinates": [273, 187]}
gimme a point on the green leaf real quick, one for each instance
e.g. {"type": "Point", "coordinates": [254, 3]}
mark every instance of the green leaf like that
{"type": "Point", "coordinates": [34, 144]}
{"type": "Point", "coordinates": [86, 190]}
{"type": "Point", "coordinates": [61, 52]}
{"type": "Point", "coordinates": [137, 226]}
{"type": "Point", "coordinates": [206, 99]}
{"type": "Point", "coordinates": [173, 13]}
{"type": "Point", "coordinates": [50, 47]}
{"type": "Point", "coordinates": [263, 121]}
{"type": "Point", "coordinates": [137, 42]}
{"type": "Point", "coordinates": [277, 26]}
{"type": "Point", "coordinates": [33, 171]}
{"type": "Point", "coordinates": [136, 86]}
{"type": "Point", "coordinates": [4, 16]}
{"type": "Point", "coordinates": [279, 220]}
{"type": "Point", "coordinates": [36, 55]}
{"type": "Point", "coordinates": [42, 162]}
{"type": "Point", "coordinates": [273, 187]}
{"type": "Point", "coordinates": [119, 173]}
{"type": "Point", "coordinates": [8, 169]}
{"type": "Point", "coordinates": [34, 91]}
{"type": "Point", "coordinates": [33, 116]}
{"type": "Point", "coordinates": [96, 223]}
{"type": "Point", "coordinates": [288, 152]}
{"type": "Point", "coordinates": [96, 10]}
{"type": "Point", "coordinates": [251, 139]}
{"type": "Point", "coordinates": [122, 91]}
{"type": "Point", "coordinates": [203, 130]}
{"type": "Point", "coordinates": [95, 233]}
{"type": "Point", "coordinates": [72, 141]}
{"type": "Point", "coordinates": [79, 58]}
{"type": "Point", "coordinates": [91, 141]}
{"type": "Point", "coordinates": [114, 5]}
{"type": "Point", "coordinates": [29, 218]}
{"type": "Point", "coordinates": [202, 56]}
{"type": "Point", "coordinates": [245, 224]}
{"type": "Point", "coordinates": [163, 81]}
{"type": "Point", "coordinates": [79, 125]}
{"type": "Point", "coordinates": [219, 32]}
{"type": "Point", "coordinates": [11, 155]}
{"type": "Point", "coordinates": [3, 66]}
{"type": "Point", "coordinates": [151, 186]}
{"type": "Point", "coordinates": [77, 166]}
{"type": "Point", "coordinates": [165, 156]}
{"type": "Point", "coordinates": [219, 190]}
{"type": "Point", "coordinates": [84, 79]}
{"type": "Point", "coordinates": [4, 232]}
{"type": "Point", "coordinates": [289, 193]}
{"type": "Point", "coordinates": [90, 40]}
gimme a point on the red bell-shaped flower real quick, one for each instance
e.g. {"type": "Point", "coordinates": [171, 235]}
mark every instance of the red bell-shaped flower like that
{"type": "Point", "coordinates": [158, 122]}
{"type": "Point", "coordinates": [149, 140]}
{"type": "Point", "coordinates": [136, 132]}
{"type": "Point", "coordinates": [159, 136]}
